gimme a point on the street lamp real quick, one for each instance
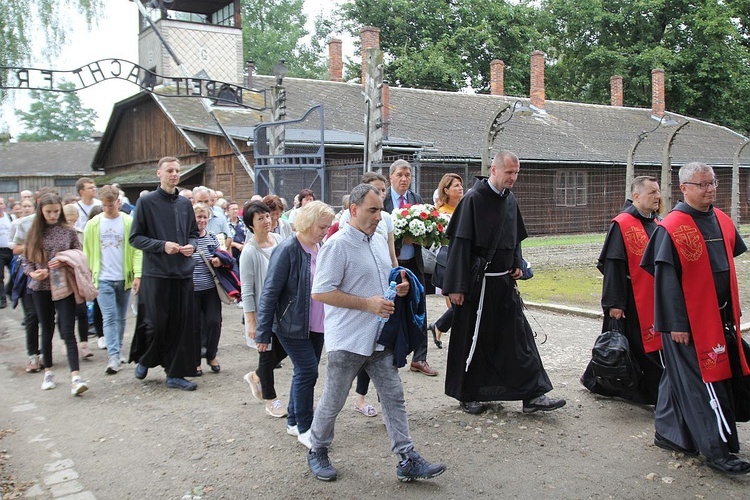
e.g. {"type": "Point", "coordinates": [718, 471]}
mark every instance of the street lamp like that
{"type": "Point", "coordinates": [630, 169]}
{"type": "Point", "coordinates": [496, 125]}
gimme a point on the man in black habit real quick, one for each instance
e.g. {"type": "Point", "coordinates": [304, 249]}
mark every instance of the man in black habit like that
{"type": "Point", "coordinates": [492, 355]}
{"type": "Point", "coordinates": [628, 291]}
{"type": "Point", "coordinates": [164, 228]}
{"type": "Point", "coordinates": [691, 255]}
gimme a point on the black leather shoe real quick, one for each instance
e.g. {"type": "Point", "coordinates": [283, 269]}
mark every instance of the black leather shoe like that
{"type": "Point", "coordinates": [431, 329]}
{"type": "Point", "coordinates": [666, 444]}
{"type": "Point", "coordinates": [472, 407]}
{"type": "Point", "coordinates": [140, 371]}
{"type": "Point", "coordinates": [731, 464]}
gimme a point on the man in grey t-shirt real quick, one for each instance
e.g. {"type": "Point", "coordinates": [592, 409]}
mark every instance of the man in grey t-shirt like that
{"type": "Point", "coordinates": [350, 278]}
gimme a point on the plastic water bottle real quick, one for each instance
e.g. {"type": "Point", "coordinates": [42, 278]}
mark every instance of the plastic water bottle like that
{"type": "Point", "coordinates": [56, 276]}
{"type": "Point", "coordinates": [390, 295]}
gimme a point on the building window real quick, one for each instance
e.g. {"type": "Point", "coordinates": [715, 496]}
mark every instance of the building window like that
{"type": "Point", "coordinates": [571, 188]}
{"type": "Point", "coordinates": [224, 16]}
{"type": "Point", "coordinates": [65, 182]}
{"type": "Point", "coordinates": [9, 186]}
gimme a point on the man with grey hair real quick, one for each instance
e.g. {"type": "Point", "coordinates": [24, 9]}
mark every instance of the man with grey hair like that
{"type": "Point", "coordinates": [353, 270]}
{"type": "Point", "coordinates": [408, 254]}
{"type": "Point", "coordinates": [628, 292]}
{"type": "Point", "coordinates": [703, 391]}
{"type": "Point", "coordinates": [216, 224]}
{"type": "Point", "coordinates": [492, 355]}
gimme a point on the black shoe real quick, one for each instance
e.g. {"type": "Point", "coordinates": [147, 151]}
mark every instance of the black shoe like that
{"type": "Point", "coordinates": [140, 371]}
{"type": "Point", "coordinates": [668, 445]}
{"type": "Point", "coordinates": [181, 383]}
{"type": "Point", "coordinates": [278, 365]}
{"type": "Point", "coordinates": [731, 464]}
{"type": "Point", "coordinates": [542, 403]}
{"type": "Point", "coordinates": [215, 368]}
{"type": "Point", "coordinates": [472, 407]}
{"type": "Point", "coordinates": [3, 303]}
{"type": "Point", "coordinates": [320, 465]}
{"type": "Point", "coordinates": [431, 329]}
{"type": "Point", "coordinates": [198, 372]}
{"type": "Point", "coordinates": [413, 466]}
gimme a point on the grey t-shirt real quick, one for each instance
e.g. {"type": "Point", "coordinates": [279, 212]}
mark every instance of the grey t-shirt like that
{"type": "Point", "coordinates": [356, 265]}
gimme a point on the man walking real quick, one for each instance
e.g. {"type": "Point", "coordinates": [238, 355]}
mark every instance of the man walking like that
{"type": "Point", "coordinates": [492, 355]}
{"type": "Point", "coordinates": [115, 269]}
{"type": "Point", "coordinates": [408, 254]}
{"type": "Point", "coordinates": [165, 230]}
{"type": "Point", "coordinates": [86, 190]}
{"type": "Point", "coordinates": [352, 274]}
{"type": "Point", "coordinates": [628, 291]}
{"type": "Point", "coordinates": [6, 254]}
{"type": "Point", "coordinates": [696, 308]}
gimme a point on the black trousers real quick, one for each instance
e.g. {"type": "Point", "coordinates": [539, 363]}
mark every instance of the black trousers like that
{"type": "Point", "coordinates": [30, 323]}
{"type": "Point", "coordinates": [66, 319]}
{"type": "Point", "coordinates": [207, 321]}
{"type": "Point", "coordinates": [445, 321]}
{"type": "Point", "coordinates": [6, 256]}
{"type": "Point", "coordinates": [267, 361]}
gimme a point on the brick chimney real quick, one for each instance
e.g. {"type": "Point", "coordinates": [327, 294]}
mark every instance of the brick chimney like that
{"type": "Point", "coordinates": [615, 85]}
{"type": "Point", "coordinates": [335, 61]}
{"type": "Point", "coordinates": [369, 37]}
{"type": "Point", "coordinates": [497, 77]}
{"type": "Point", "coordinates": [657, 92]}
{"type": "Point", "coordinates": [537, 79]}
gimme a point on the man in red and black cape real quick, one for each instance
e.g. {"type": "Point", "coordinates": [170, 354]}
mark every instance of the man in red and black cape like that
{"type": "Point", "coordinates": [691, 255]}
{"type": "Point", "coordinates": [628, 291]}
{"type": "Point", "coordinates": [493, 358]}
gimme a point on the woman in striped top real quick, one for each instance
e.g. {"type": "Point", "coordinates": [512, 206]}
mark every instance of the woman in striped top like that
{"type": "Point", "coordinates": [206, 305]}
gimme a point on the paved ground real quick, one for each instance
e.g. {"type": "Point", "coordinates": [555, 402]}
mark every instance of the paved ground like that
{"type": "Point", "coordinates": [130, 439]}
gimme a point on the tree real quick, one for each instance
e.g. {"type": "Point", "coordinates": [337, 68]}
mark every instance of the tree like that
{"type": "Point", "coordinates": [57, 116]}
{"type": "Point", "coordinates": [22, 19]}
{"type": "Point", "coordinates": [700, 44]}
{"type": "Point", "coordinates": [273, 30]}
{"type": "Point", "coordinates": [449, 45]}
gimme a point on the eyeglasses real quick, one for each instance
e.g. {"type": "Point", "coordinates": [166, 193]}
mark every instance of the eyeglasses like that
{"type": "Point", "coordinates": [704, 185]}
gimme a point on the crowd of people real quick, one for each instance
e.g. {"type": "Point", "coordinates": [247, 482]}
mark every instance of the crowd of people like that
{"type": "Point", "coordinates": [310, 278]}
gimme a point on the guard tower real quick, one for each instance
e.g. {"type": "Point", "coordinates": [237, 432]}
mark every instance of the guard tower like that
{"type": "Point", "coordinates": [205, 34]}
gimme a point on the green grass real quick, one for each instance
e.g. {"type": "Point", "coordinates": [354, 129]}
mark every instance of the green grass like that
{"type": "Point", "coordinates": [566, 239]}
{"type": "Point", "coordinates": [579, 287]}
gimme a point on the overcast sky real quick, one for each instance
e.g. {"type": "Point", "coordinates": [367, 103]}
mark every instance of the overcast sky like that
{"type": "Point", "coordinates": [116, 36]}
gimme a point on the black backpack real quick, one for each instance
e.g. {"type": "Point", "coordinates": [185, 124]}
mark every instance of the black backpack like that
{"type": "Point", "coordinates": [612, 362]}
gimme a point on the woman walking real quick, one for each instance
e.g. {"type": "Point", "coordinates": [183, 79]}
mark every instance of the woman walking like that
{"type": "Point", "coordinates": [253, 266]}
{"type": "Point", "coordinates": [287, 310]}
{"type": "Point", "coordinates": [47, 237]}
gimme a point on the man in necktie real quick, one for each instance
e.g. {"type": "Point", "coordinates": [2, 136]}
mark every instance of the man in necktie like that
{"type": "Point", "coordinates": [409, 255]}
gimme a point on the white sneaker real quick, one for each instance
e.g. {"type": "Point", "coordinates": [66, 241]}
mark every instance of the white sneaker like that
{"type": "Point", "coordinates": [304, 438]}
{"type": "Point", "coordinates": [49, 380]}
{"type": "Point", "coordinates": [123, 359]}
{"type": "Point", "coordinates": [292, 430]}
{"type": "Point", "coordinates": [101, 343]}
{"type": "Point", "coordinates": [78, 386]}
{"type": "Point", "coordinates": [254, 382]}
{"type": "Point", "coordinates": [113, 365]}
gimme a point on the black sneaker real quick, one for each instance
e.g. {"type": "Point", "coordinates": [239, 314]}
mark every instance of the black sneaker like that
{"type": "Point", "coordinates": [542, 403]}
{"type": "Point", "coordinates": [413, 466]}
{"type": "Point", "coordinates": [320, 465]}
{"type": "Point", "coordinates": [181, 383]}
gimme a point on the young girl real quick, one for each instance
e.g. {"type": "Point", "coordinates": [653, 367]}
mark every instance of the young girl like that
{"type": "Point", "coordinates": [48, 236]}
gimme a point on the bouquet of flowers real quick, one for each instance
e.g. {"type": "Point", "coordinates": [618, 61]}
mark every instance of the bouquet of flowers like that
{"type": "Point", "coordinates": [423, 224]}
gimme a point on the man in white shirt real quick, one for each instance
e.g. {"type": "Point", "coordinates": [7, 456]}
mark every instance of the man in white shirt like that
{"type": "Point", "coordinates": [86, 189]}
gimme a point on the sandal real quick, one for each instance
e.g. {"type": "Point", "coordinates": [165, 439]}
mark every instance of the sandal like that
{"type": "Point", "coordinates": [367, 410]}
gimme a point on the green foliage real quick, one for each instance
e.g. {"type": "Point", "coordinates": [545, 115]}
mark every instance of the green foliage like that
{"type": "Point", "coordinates": [447, 44]}
{"type": "Point", "coordinates": [22, 19]}
{"type": "Point", "coordinates": [57, 116]}
{"type": "Point", "coordinates": [273, 30]}
{"type": "Point", "coordinates": [577, 287]}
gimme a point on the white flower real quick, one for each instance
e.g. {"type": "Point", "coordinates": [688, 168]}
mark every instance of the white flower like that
{"type": "Point", "coordinates": [416, 227]}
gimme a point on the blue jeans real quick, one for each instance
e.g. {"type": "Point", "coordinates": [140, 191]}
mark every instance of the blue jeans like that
{"type": "Point", "coordinates": [113, 301]}
{"type": "Point", "coordinates": [342, 367]}
{"type": "Point", "coordinates": [305, 354]}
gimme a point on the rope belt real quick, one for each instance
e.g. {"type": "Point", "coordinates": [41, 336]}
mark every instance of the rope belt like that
{"type": "Point", "coordinates": [479, 317]}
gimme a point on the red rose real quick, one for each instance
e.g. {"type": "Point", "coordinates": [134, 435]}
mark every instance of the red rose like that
{"type": "Point", "coordinates": [434, 213]}
{"type": "Point", "coordinates": [440, 227]}
{"type": "Point", "coordinates": [424, 215]}
{"type": "Point", "coordinates": [404, 213]}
